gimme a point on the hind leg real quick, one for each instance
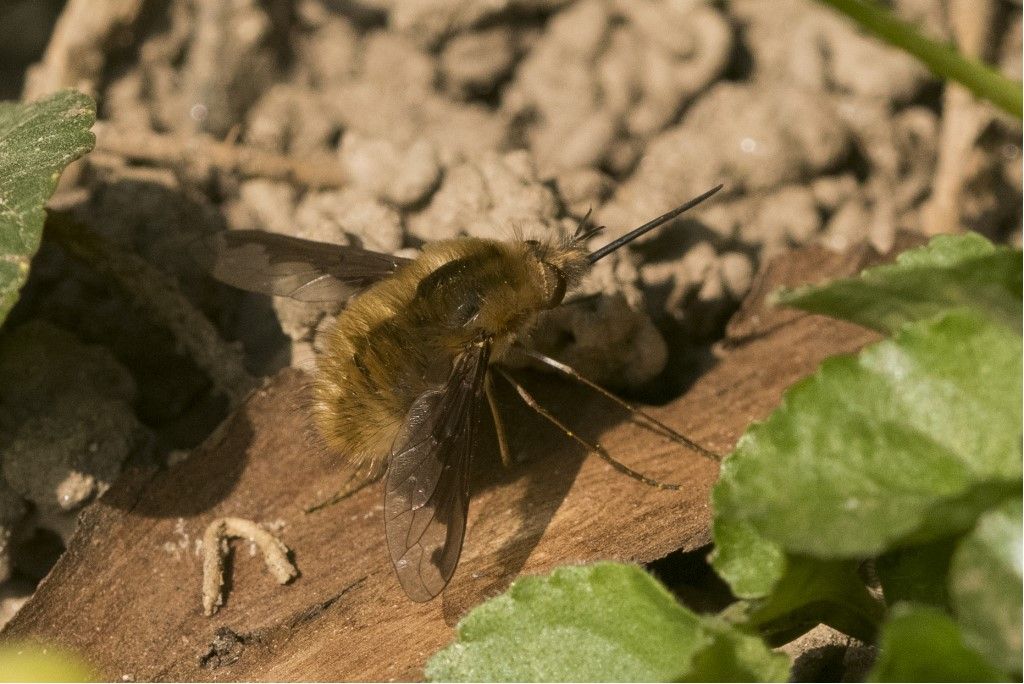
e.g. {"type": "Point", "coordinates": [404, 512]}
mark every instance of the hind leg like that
{"type": "Point", "coordinates": [358, 477]}
{"type": "Point", "coordinates": [499, 424]}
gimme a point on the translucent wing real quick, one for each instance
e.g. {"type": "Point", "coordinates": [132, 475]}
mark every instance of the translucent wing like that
{"type": "Point", "coordinates": [305, 270]}
{"type": "Point", "coordinates": [427, 491]}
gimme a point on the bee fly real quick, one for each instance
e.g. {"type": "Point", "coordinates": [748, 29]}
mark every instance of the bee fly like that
{"type": "Point", "coordinates": [401, 384]}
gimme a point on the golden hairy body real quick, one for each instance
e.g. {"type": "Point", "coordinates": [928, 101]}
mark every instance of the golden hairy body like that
{"type": "Point", "coordinates": [405, 369]}
{"type": "Point", "coordinates": [400, 336]}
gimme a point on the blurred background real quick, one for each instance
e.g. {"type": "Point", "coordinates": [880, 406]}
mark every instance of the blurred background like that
{"type": "Point", "coordinates": [439, 118]}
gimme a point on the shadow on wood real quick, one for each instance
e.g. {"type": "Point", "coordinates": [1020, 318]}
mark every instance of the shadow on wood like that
{"type": "Point", "coordinates": [126, 593]}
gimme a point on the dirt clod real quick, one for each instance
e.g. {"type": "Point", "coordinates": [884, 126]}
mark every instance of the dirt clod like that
{"type": "Point", "coordinates": [226, 648]}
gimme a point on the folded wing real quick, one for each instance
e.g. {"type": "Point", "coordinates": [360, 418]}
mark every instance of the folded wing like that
{"type": "Point", "coordinates": [427, 491]}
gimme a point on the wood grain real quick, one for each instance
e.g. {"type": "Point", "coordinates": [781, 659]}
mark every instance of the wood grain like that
{"type": "Point", "coordinates": [126, 593]}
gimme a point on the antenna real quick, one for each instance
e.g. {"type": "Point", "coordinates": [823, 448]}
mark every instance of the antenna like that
{"type": "Point", "coordinates": [650, 225]}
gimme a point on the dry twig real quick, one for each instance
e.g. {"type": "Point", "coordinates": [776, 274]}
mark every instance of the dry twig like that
{"type": "Point", "coordinates": [964, 118]}
{"type": "Point", "coordinates": [199, 154]}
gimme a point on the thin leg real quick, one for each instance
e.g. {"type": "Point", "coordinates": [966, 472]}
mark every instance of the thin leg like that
{"type": "Point", "coordinates": [582, 299]}
{"type": "Point", "coordinates": [595, 447]}
{"type": "Point", "coordinates": [353, 484]}
{"type": "Point", "coordinates": [655, 424]}
{"type": "Point", "coordinates": [499, 424]}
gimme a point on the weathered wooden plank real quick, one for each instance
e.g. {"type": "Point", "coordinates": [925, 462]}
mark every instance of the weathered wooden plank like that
{"type": "Point", "coordinates": [126, 594]}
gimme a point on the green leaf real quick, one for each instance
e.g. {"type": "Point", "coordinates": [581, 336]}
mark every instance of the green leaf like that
{"type": "Point", "coordinates": [787, 595]}
{"type": "Point", "coordinates": [923, 644]}
{"type": "Point", "coordinates": [907, 443]}
{"type": "Point", "coordinates": [36, 142]}
{"type": "Point", "coordinates": [603, 622]}
{"type": "Point", "coordinates": [748, 562]}
{"type": "Point", "coordinates": [985, 586]}
{"type": "Point", "coordinates": [810, 592]}
{"type": "Point", "coordinates": [951, 272]}
{"type": "Point", "coordinates": [733, 656]}
{"type": "Point", "coordinates": [917, 574]}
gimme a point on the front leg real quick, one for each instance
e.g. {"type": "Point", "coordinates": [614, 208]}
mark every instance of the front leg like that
{"type": "Point", "coordinates": [499, 425]}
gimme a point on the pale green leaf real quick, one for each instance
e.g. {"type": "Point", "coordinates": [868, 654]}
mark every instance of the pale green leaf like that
{"type": "Point", "coordinates": [36, 142]}
{"type": "Point", "coordinates": [906, 443]}
{"type": "Point", "coordinates": [748, 562]}
{"type": "Point", "coordinates": [923, 644]}
{"type": "Point", "coordinates": [985, 586]}
{"type": "Point", "coordinates": [603, 622]}
{"type": "Point", "coordinates": [951, 272]}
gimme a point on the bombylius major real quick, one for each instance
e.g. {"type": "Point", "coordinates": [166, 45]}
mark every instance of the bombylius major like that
{"type": "Point", "coordinates": [401, 384]}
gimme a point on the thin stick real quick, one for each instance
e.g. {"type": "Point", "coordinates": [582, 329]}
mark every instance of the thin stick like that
{"type": "Point", "coordinates": [666, 431]}
{"type": "Point", "coordinates": [595, 448]}
{"type": "Point", "coordinates": [199, 153]}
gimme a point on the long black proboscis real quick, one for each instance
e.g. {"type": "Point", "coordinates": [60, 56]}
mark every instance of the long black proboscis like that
{"type": "Point", "coordinates": [650, 225]}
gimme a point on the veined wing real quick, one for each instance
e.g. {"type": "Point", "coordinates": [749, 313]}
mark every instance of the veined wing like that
{"type": "Point", "coordinates": [427, 491]}
{"type": "Point", "coordinates": [286, 266]}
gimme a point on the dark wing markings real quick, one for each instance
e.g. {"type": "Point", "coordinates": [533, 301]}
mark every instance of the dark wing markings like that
{"type": "Point", "coordinates": [286, 266]}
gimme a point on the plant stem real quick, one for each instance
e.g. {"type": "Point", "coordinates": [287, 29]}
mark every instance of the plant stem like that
{"type": "Point", "coordinates": [944, 60]}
